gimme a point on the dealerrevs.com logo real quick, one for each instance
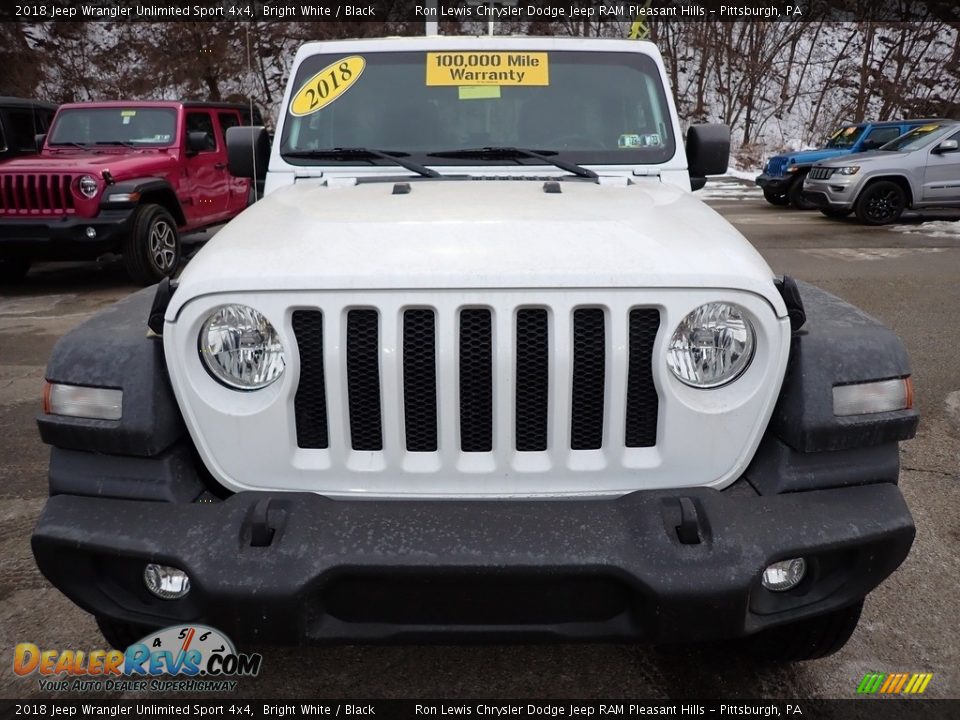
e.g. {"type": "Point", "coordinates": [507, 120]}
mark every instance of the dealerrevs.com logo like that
{"type": "Point", "coordinates": [186, 658]}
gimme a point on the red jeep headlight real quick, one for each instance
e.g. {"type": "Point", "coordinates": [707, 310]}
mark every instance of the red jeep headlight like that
{"type": "Point", "coordinates": [88, 187]}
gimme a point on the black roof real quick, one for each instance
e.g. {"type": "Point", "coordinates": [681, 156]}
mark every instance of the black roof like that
{"type": "Point", "coordinates": [7, 101]}
{"type": "Point", "coordinates": [220, 105]}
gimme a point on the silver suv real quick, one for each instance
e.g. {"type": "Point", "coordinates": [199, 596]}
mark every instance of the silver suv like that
{"type": "Point", "coordinates": [917, 170]}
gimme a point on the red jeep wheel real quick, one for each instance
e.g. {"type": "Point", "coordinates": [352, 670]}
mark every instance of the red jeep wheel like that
{"type": "Point", "coordinates": [151, 251]}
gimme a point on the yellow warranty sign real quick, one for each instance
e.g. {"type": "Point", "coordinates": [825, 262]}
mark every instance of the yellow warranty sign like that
{"type": "Point", "coordinates": [327, 85]}
{"type": "Point", "coordinates": [488, 68]}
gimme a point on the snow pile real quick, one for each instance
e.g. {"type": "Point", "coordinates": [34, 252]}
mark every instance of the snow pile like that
{"type": "Point", "coordinates": [932, 228]}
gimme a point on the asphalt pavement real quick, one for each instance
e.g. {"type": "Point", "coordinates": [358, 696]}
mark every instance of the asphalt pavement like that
{"type": "Point", "coordinates": [907, 276]}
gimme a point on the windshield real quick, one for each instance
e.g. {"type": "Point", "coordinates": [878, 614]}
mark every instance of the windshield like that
{"type": "Point", "coordinates": [918, 137]}
{"type": "Point", "coordinates": [846, 137]}
{"type": "Point", "coordinates": [120, 125]}
{"type": "Point", "coordinates": [591, 107]}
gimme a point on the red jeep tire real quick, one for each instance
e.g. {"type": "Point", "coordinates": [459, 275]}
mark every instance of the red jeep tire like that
{"type": "Point", "coordinates": [151, 251]}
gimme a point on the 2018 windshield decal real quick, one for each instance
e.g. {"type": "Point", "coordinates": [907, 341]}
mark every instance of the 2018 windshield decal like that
{"type": "Point", "coordinates": [327, 85]}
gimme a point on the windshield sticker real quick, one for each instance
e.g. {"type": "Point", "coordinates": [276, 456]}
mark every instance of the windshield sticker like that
{"type": "Point", "coordinates": [128, 113]}
{"type": "Point", "coordinates": [628, 141]}
{"type": "Point", "coordinates": [487, 68]}
{"type": "Point", "coordinates": [479, 92]}
{"type": "Point", "coordinates": [327, 85]}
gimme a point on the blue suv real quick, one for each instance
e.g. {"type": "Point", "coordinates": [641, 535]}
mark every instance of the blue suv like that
{"type": "Point", "coordinates": [782, 177]}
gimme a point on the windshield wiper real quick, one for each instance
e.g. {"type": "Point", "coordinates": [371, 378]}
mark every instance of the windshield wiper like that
{"type": "Point", "coordinates": [115, 142]}
{"type": "Point", "coordinates": [516, 153]}
{"type": "Point", "coordinates": [82, 146]}
{"type": "Point", "coordinates": [352, 152]}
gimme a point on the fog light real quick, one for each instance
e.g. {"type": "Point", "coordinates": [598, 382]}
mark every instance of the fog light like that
{"type": "Point", "coordinates": [91, 232]}
{"type": "Point", "coordinates": [784, 575]}
{"type": "Point", "coordinates": [167, 583]}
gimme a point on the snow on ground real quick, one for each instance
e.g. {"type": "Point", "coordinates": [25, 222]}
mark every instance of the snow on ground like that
{"type": "Point", "coordinates": [932, 228]}
{"type": "Point", "coordinates": [729, 187]}
{"type": "Point", "coordinates": [750, 174]}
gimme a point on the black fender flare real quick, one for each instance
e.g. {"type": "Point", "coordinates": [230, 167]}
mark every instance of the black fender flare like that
{"type": "Point", "coordinates": [838, 344]}
{"type": "Point", "coordinates": [150, 190]}
{"type": "Point", "coordinates": [115, 349]}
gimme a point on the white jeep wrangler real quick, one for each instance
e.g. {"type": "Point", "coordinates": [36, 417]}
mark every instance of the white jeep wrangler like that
{"type": "Point", "coordinates": [479, 365]}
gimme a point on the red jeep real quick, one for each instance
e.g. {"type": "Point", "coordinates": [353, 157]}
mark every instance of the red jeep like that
{"type": "Point", "coordinates": [125, 177]}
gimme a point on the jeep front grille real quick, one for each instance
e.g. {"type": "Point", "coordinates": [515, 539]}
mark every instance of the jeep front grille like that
{"type": "Point", "coordinates": [35, 194]}
{"type": "Point", "coordinates": [479, 368]}
{"type": "Point", "coordinates": [821, 173]}
{"type": "Point", "coordinates": [776, 166]}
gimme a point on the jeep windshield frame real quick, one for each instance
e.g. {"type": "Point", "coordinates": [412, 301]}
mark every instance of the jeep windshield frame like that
{"type": "Point", "coordinates": [130, 126]}
{"type": "Point", "coordinates": [598, 108]}
{"type": "Point", "coordinates": [845, 138]}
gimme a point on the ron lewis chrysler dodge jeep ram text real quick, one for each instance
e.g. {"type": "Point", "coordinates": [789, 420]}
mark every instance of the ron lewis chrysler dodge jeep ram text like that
{"type": "Point", "coordinates": [479, 365]}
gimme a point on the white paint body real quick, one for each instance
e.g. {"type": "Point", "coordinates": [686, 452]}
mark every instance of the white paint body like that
{"type": "Point", "coordinates": [321, 241]}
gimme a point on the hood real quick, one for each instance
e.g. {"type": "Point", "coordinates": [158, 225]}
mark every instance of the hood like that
{"type": "Point", "coordinates": [120, 164]}
{"type": "Point", "coordinates": [482, 234]}
{"type": "Point", "coordinates": [808, 157]}
{"type": "Point", "coordinates": [871, 156]}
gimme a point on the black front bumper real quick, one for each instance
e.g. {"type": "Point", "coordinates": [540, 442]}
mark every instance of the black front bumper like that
{"type": "Point", "coordinates": [289, 568]}
{"type": "Point", "coordinates": [773, 184]}
{"type": "Point", "coordinates": [63, 237]}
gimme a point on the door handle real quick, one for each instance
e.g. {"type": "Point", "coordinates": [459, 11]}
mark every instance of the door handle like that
{"type": "Point", "coordinates": [220, 166]}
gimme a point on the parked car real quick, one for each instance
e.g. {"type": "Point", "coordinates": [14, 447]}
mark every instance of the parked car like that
{"type": "Point", "coordinates": [438, 384]}
{"type": "Point", "coordinates": [21, 120]}
{"type": "Point", "coordinates": [782, 177]}
{"type": "Point", "coordinates": [125, 177]}
{"type": "Point", "coordinates": [918, 170]}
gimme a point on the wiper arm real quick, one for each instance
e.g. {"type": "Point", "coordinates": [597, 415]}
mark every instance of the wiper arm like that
{"type": "Point", "coordinates": [512, 152]}
{"type": "Point", "coordinates": [350, 152]}
{"type": "Point", "coordinates": [115, 142]}
{"type": "Point", "coordinates": [82, 146]}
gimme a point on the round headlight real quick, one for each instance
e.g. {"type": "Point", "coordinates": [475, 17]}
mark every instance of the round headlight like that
{"type": "Point", "coordinates": [712, 346]}
{"type": "Point", "coordinates": [241, 348]}
{"type": "Point", "coordinates": [88, 186]}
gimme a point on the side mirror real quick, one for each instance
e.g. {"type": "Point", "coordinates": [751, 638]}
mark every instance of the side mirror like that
{"type": "Point", "coordinates": [947, 146]}
{"type": "Point", "coordinates": [248, 151]}
{"type": "Point", "coordinates": [708, 152]}
{"type": "Point", "coordinates": [39, 140]}
{"type": "Point", "coordinates": [198, 141]}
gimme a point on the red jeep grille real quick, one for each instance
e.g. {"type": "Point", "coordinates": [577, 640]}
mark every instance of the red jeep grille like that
{"type": "Point", "coordinates": [35, 194]}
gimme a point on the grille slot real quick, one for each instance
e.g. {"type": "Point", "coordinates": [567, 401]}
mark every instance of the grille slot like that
{"type": "Point", "coordinates": [363, 379]}
{"type": "Point", "coordinates": [533, 386]}
{"type": "Point", "coordinates": [589, 368]}
{"type": "Point", "coordinates": [476, 381]}
{"type": "Point", "coordinates": [642, 400]}
{"type": "Point", "coordinates": [420, 380]}
{"type": "Point", "coordinates": [310, 403]}
{"type": "Point", "coordinates": [821, 173]}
